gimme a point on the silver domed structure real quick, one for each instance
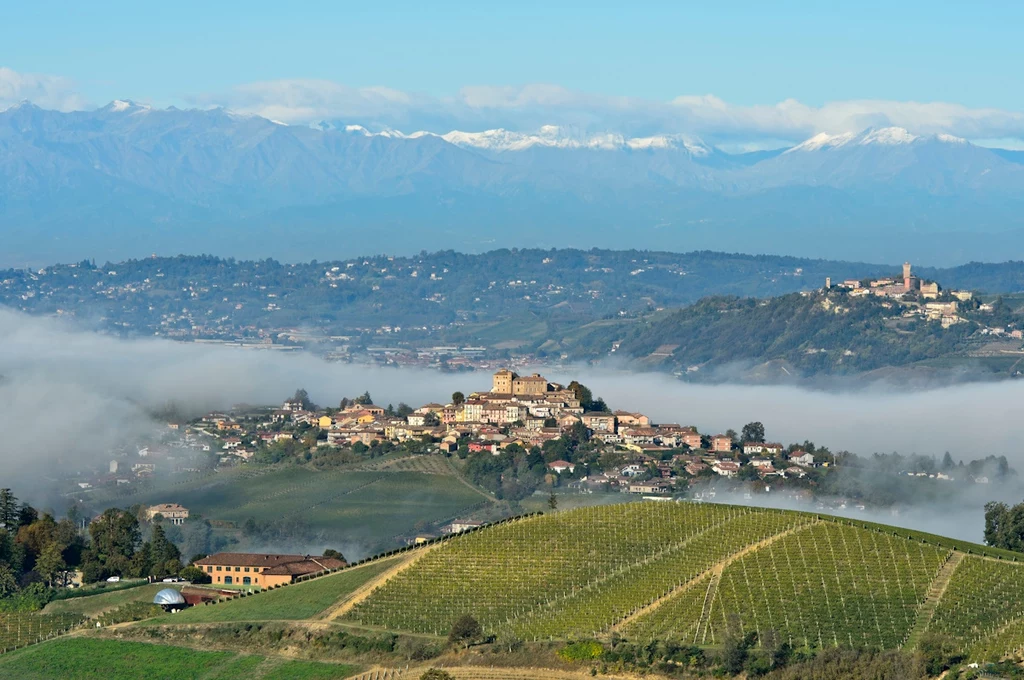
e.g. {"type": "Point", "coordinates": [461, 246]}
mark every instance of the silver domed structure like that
{"type": "Point", "coordinates": [169, 597]}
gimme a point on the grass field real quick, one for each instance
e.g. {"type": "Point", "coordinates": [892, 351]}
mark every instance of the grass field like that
{"type": "Point", "coordinates": [96, 604]}
{"type": "Point", "coordinates": [99, 659]}
{"type": "Point", "coordinates": [368, 506]}
{"type": "Point", "coordinates": [300, 601]}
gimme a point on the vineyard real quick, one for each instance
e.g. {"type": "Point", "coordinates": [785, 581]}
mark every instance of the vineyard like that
{"type": "Point", "coordinates": [693, 572]}
{"type": "Point", "coordinates": [18, 629]}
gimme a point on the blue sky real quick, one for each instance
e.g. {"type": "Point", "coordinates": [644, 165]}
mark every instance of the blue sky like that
{"type": "Point", "coordinates": [743, 53]}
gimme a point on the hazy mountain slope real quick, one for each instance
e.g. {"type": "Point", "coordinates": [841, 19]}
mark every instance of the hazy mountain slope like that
{"type": "Point", "coordinates": [105, 183]}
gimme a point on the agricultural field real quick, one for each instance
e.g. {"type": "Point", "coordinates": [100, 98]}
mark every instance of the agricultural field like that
{"type": "Point", "coordinates": [100, 659]}
{"type": "Point", "coordinates": [692, 572]}
{"type": "Point", "coordinates": [642, 571]}
{"type": "Point", "coordinates": [304, 600]}
{"type": "Point", "coordinates": [24, 628]}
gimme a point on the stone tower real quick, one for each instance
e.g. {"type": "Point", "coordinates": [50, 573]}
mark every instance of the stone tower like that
{"type": "Point", "coordinates": [906, 276]}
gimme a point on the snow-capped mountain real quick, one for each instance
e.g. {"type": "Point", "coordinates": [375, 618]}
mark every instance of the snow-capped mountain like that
{"type": "Point", "coordinates": [889, 136]}
{"type": "Point", "coordinates": [96, 179]}
{"type": "Point", "coordinates": [548, 136]}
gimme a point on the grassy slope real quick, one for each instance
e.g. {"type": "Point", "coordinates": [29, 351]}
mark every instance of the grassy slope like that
{"type": "Point", "coordinates": [101, 602]}
{"type": "Point", "coordinates": [301, 601]}
{"type": "Point", "coordinates": [369, 506]}
{"type": "Point", "coordinates": [97, 659]}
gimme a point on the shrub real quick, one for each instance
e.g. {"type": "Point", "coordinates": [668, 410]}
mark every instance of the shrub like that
{"type": "Point", "coordinates": [584, 650]}
{"type": "Point", "coordinates": [437, 674]}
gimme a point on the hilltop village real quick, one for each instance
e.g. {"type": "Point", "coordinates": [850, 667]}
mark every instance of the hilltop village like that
{"type": "Point", "coordinates": [524, 413]}
{"type": "Point", "coordinates": [529, 435]}
{"type": "Point", "coordinates": [922, 299]}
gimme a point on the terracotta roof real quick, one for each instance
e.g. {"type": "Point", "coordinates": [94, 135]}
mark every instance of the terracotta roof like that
{"type": "Point", "coordinates": [249, 559]}
{"type": "Point", "coordinates": [306, 566]}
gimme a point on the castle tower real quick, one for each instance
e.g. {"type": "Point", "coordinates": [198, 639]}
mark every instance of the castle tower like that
{"type": "Point", "coordinates": [828, 283]}
{"type": "Point", "coordinates": [906, 276]}
{"type": "Point", "coordinates": [502, 383]}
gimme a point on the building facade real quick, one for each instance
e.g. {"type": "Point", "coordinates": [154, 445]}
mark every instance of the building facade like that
{"type": "Point", "coordinates": [262, 570]}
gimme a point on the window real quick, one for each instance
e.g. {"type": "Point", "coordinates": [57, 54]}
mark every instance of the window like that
{"type": "Point", "coordinates": [247, 568]}
{"type": "Point", "coordinates": [218, 568]}
{"type": "Point", "coordinates": [227, 580]}
{"type": "Point", "coordinates": [238, 569]}
{"type": "Point", "coordinates": [246, 580]}
{"type": "Point", "coordinates": [209, 570]}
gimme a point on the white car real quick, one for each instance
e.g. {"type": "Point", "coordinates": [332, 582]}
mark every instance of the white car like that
{"type": "Point", "coordinates": [113, 579]}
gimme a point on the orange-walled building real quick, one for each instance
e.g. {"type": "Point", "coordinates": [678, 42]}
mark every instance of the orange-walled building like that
{"type": "Point", "coordinates": [263, 570]}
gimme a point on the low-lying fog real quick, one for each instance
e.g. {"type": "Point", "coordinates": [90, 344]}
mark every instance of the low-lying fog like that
{"type": "Point", "coordinates": [70, 392]}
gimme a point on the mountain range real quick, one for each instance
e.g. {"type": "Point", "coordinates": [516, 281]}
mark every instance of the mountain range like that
{"type": "Point", "coordinates": [126, 179]}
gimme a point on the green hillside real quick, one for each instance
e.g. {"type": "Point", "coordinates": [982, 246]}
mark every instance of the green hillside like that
{"type": "Point", "coordinates": [352, 505]}
{"type": "Point", "coordinates": [94, 659]}
{"type": "Point", "coordinates": [691, 572]}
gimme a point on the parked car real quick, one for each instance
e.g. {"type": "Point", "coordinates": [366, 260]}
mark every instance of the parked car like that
{"type": "Point", "coordinates": [113, 579]}
{"type": "Point", "coordinates": [173, 579]}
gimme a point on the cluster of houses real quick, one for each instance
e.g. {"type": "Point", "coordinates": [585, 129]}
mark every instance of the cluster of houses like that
{"type": "Point", "coordinates": [907, 288]}
{"type": "Point", "coordinates": [649, 474]}
{"type": "Point", "coordinates": [528, 411]}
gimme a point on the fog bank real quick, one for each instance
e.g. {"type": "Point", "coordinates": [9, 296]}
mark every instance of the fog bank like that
{"type": "Point", "coordinates": [70, 394]}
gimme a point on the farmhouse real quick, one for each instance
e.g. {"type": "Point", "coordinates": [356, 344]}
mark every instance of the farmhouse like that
{"type": "Point", "coordinates": [560, 466]}
{"type": "Point", "coordinates": [801, 458]}
{"type": "Point", "coordinates": [172, 512]}
{"type": "Point", "coordinates": [263, 570]}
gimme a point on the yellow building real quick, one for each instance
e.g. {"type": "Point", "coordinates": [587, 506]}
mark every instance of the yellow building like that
{"type": "Point", "coordinates": [502, 382]}
{"type": "Point", "coordinates": [324, 422]}
{"type": "Point", "coordinates": [263, 570]}
{"type": "Point", "coordinates": [171, 512]}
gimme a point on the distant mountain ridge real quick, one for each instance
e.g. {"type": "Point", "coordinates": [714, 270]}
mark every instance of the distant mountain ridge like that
{"type": "Point", "coordinates": [127, 179]}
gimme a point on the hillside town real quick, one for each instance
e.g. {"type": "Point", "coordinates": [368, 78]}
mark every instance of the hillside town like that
{"type": "Point", "coordinates": [625, 450]}
{"type": "Point", "coordinates": [923, 299]}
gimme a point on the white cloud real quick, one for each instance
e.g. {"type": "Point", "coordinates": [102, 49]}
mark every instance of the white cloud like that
{"type": "Point", "coordinates": [530, 106]}
{"type": "Point", "coordinates": [47, 91]}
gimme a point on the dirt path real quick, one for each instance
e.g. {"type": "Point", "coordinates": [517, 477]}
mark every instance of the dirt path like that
{"type": "Point", "coordinates": [936, 590]}
{"type": "Point", "coordinates": [362, 592]}
{"type": "Point", "coordinates": [716, 574]}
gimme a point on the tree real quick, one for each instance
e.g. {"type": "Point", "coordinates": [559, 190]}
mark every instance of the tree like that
{"type": "Point", "coordinates": [302, 397]}
{"type": "Point", "coordinates": [8, 510]}
{"type": "Point", "coordinates": [431, 419]}
{"type": "Point", "coordinates": [331, 552]}
{"type": "Point", "coordinates": [553, 501]}
{"type": "Point", "coordinates": [115, 540]}
{"type": "Point", "coordinates": [753, 432]}
{"type": "Point", "coordinates": [437, 674]}
{"type": "Point", "coordinates": [165, 558]}
{"type": "Point", "coordinates": [193, 574]}
{"type": "Point", "coordinates": [1004, 526]}
{"type": "Point", "coordinates": [8, 580]}
{"type": "Point", "coordinates": [465, 631]}
{"type": "Point", "coordinates": [364, 399]}
{"type": "Point", "coordinates": [458, 398]}
{"type": "Point", "coordinates": [582, 393]}
{"type": "Point", "coordinates": [50, 563]}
